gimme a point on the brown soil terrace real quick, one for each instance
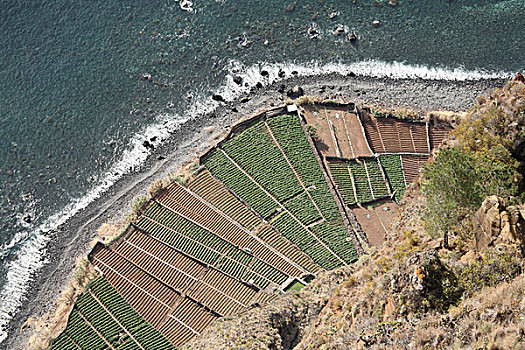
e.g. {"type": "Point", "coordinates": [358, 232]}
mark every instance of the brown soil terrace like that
{"type": "Point", "coordinates": [180, 293]}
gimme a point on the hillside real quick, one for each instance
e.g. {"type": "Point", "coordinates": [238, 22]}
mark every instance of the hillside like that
{"type": "Point", "coordinates": [462, 287]}
{"type": "Point", "coordinates": [414, 292]}
{"type": "Point", "coordinates": [321, 201]}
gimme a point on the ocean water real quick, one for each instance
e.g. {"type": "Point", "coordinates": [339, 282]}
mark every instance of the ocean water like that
{"type": "Point", "coordinates": [84, 83]}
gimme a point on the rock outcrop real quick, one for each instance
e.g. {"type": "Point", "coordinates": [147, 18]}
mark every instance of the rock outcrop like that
{"type": "Point", "coordinates": [494, 223]}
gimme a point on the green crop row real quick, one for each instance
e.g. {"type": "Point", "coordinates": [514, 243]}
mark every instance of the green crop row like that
{"type": "Point", "coordinates": [208, 239]}
{"type": "Point", "coordinates": [257, 154]}
{"type": "Point", "coordinates": [303, 239]}
{"type": "Point", "coordinates": [376, 179]}
{"type": "Point", "coordinates": [181, 242]}
{"type": "Point", "coordinates": [79, 332]}
{"type": "Point", "coordinates": [239, 183]}
{"type": "Point", "coordinates": [341, 176]}
{"type": "Point", "coordinates": [289, 133]}
{"type": "Point", "coordinates": [336, 237]}
{"type": "Point", "coordinates": [302, 207]}
{"type": "Point", "coordinates": [363, 192]}
{"type": "Point", "coordinates": [339, 171]}
{"type": "Point", "coordinates": [394, 174]}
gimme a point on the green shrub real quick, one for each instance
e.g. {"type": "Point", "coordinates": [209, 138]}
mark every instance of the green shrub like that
{"type": "Point", "coordinates": [457, 182]}
{"type": "Point", "coordinates": [490, 269]}
{"type": "Point", "coordinates": [138, 204]}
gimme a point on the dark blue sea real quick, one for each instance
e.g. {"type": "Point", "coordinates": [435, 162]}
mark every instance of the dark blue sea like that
{"type": "Point", "coordinates": [83, 82]}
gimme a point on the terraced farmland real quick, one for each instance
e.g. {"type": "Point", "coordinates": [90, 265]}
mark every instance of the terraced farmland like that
{"type": "Point", "coordinates": [263, 212]}
{"type": "Point", "coordinates": [412, 166]}
{"type": "Point", "coordinates": [391, 135]}
{"type": "Point", "coordinates": [278, 148]}
{"type": "Point", "coordinates": [394, 173]}
{"type": "Point", "coordinates": [438, 134]}
{"type": "Point", "coordinates": [215, 193]}
{"type": "Point", "coordinates": [102, 319]}
{"type": "Point", "coordinates": [359, 181]}
{"type": "Point", "coordinates": [338, 131]}
{"type": "Point", "coordinates": [289, 134]}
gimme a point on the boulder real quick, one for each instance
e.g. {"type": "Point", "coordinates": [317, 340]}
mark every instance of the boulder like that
{"type": "Point", "coordinates": [352, 36]}
{"type": "Point", "coordinates": [313, 31]}
{"type": "Point", "coordinates": [340, 29]}
{"type": "Point", "coordinates": [487, 221]}
{"type": "Point", "coordinates": [218, 98]}
{"type": "Point", "coordinates": [495, 224]}
{"type": "Point", "coordinates": [237, 80]}
{"type": "Point", "coordinates": [424, 283]}
{"type": "Point", "coordinates": [519, 78]}
{"type": "Point", "coordinates": [27, 218]}
{"type": "Point", "coordinates": [513, 225]}
{"type": "Point", "coordinates": [295, 92]}
{"type": "Point", "coordinates": [146, 76]}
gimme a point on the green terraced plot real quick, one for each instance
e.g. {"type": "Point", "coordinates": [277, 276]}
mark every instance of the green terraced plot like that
{"type": "Point", "coordinates": [363, 192]}
{"type": "Point", "coordinates": [336, 237]}
{"type": "Point", "coordinates": [376, 179]}
{"type": "Point", "coordinates": [302, 207]}
{"type": "Point", "coordinates": [369, 182]}
{"type": "Point", "coordinates": [300, 236]}
{"type": "Point", "coordinates": [289, 133]}
{"type": "Point", "coordinates": [219, 165]}
{"type": "Point", "coordinates": [343, 181]}
{"type": "Point", "coordinates": [93, 323]}
{"type": "Point", "coordinates": [204, 245]}
{"type": "Point", "coordinates": [255, 151]}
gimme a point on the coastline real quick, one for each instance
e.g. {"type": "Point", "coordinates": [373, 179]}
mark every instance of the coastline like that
{"type": "Point", "coordinates": [73, 238]}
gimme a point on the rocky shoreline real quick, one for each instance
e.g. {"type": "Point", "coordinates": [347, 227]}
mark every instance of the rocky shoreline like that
{"type": "Point", "coordinates": [73, 238]}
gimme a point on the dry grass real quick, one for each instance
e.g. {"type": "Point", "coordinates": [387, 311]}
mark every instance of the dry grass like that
{"type": "Point", "coordinates": [108, 233]}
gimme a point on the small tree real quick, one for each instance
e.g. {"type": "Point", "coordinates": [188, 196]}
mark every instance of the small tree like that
{"type": "Point", "coordinates": [456, 183]}
{"type": "Point", "coordinates": [450, 188]}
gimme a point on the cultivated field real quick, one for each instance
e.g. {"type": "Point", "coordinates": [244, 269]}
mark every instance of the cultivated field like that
{"type": "Point", "coordinates": [264, 213]}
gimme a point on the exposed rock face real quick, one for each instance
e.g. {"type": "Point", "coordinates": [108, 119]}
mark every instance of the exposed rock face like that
{"type": "Point", "coordinates": [487, 221]}
{"type": "Point", "coordinates": [421, 283]}
{"type": "Point", "coordinates": [278, 326]}
{"type": "Point", "coordinates": [493, 223]}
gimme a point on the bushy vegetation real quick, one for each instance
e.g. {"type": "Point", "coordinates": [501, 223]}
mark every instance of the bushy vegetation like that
{"type": "Point", "coordinates": [456, 183]}
{"type": "Point", "coordinates": [484, 161]}
{"type": "Point", "coordinates": [488, 270]}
